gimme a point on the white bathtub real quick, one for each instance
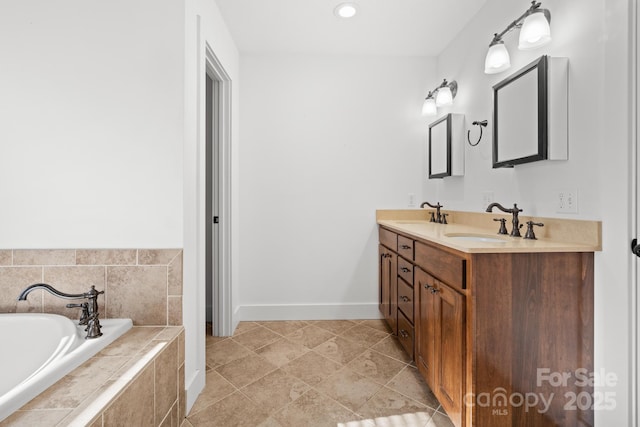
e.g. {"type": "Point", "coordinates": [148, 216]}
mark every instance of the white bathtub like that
{"type": "Point", "coordinates": [38, 349]}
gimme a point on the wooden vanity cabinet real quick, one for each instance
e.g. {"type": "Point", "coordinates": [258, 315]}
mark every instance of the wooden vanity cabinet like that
{"type": "Point", "coordinates": [388, 285]}
{"type": "Point", "coordinates": [488, 324]}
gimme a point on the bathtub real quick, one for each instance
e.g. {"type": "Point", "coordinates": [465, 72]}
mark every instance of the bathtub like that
{"type": "Point", "coordinates": [38, 349]}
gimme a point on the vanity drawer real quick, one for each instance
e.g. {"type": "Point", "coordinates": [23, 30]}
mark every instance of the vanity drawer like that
{"type": "Point", "coordinates": [388, 238]}
{"type": "Point", "coordinates": [405, 299]}
{"type": "Point", "coordinates": [405, 270]}
{"type": "Point", "coordinates": [405, 334]}
{"type": "Point", "coordinates": [444, 266]}
{"type": "Point", "coordinates": [405, 247]}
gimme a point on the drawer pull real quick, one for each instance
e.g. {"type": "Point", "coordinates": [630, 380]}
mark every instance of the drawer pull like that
{"type": "Point", "coordinates": [404, 298]}
{"type": "Point", "coordinates": [405, 247]}
{"type": "Point", "coordinates": [405, 270]}
{"type": "Point", "coordinates": [404, 334]}
{"type": "Point", "coordinates": [434, 290]}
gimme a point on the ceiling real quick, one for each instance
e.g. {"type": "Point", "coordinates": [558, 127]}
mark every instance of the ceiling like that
{"type": "Point", "coordinates": [381, 27]}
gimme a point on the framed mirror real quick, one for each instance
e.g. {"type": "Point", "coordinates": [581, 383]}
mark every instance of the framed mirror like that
{"type": "Point", "coordinates": [520, 122]}
{"type": "Point", "coordinates": [440, 148]}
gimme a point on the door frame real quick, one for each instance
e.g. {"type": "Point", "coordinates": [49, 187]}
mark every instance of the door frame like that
{"type": "Point", "coordinates": [635, 209]}
{"type": "Point", "coordinates": [222, 316]}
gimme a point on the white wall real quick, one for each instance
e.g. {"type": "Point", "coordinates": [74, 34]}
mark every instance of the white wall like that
{"type": "Point", "coordinates": [91, 112]}
{"type": "Point", "coordinates": [326, 140]}
{"type": "Point", "coordinates": [595, 38]}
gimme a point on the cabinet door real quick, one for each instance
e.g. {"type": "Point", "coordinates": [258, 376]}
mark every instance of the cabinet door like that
{"type": "Point", "coordinates": [425, 325]}
{"type": "Point", "coordinates": [450, 349]}
{"type": "Point", "coordinates": [388, 286]}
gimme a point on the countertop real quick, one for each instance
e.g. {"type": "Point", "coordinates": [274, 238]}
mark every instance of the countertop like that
{"type": "Point", "coordinates": [558, 235]}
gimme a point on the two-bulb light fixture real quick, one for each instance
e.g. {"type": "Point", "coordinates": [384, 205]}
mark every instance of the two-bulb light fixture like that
{"type": "Point", "coordinates": [439, 97]}
{"type": "Point", "coordinates": [534, 32]}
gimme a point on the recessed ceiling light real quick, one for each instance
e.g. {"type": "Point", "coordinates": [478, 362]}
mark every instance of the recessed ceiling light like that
{"type": "Point", "coordinates": [345, 10]}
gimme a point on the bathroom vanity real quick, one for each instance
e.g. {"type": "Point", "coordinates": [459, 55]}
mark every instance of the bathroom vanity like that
{"type": "Point", "coordinates": [501, 328]}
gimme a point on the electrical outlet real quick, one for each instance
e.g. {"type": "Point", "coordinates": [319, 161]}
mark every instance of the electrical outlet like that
{"type": "Point", "coordinates": [412, 200]}
{"type": "Point", "coordinates": [487, 199]}
{"type": "Point", "coordinates": [567, 201]}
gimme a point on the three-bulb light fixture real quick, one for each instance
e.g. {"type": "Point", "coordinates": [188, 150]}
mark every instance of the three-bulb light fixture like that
{"type": "Point", "coordinates": [534, 32]}
{"type": "Point", "coordinates": [439, 97]}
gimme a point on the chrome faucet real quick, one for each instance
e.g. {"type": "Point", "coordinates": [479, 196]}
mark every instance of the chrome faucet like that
{"type": "Point", "coordinates": [515, 231]}
{"type": "Point", "coordinates": [439, 218]}
{"type": "Point", "coordinates": [89, 316]}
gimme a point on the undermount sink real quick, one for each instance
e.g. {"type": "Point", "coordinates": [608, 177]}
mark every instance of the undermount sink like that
{"type": "Point", "coordinates": [475, 237]}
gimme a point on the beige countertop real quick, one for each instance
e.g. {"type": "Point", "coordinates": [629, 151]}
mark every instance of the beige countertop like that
{"type": "Point", "coordinates": [557, 235]}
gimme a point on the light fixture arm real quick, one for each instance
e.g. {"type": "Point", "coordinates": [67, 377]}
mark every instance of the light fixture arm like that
{"type": "Point", "coordinates": [535, 5]}
{"type": "Point", "coordinates": [453, 85]}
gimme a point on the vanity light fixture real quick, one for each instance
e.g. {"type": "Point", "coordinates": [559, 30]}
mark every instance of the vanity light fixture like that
{"type": "Point", "coordinates": [439, 97]}
{"type": "Point", "coordinates": [345, 10]}
{"type": "Point", "coordinates": [534, 32]}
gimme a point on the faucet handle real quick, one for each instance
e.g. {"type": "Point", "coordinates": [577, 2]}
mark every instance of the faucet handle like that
{"type": "Point", "coordinates": [433, 218]}
{"type": "Point", "coordinates": [444, 218]}
{"type": "Point", "coordinates": [85, 311]}
{"type": "Point", "coordinates": [530, 234]}
{"type": "Point", "coordinates": [503, 227]}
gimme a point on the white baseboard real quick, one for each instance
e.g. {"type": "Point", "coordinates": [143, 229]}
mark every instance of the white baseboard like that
{"type": "Point", "coordinates": [259, 312]}
{"type": "Point", "coordinates": [194, 387]}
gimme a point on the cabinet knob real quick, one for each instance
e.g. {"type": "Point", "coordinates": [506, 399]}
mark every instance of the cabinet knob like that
{"type": "Point", "coordinates": [405, 270]}
{"type": "Point", "coordinates": [404, 298]}
{"type": "Point", "coordinates": [403, 333]}
{"type": "Point", "coordinates": [405, 247]}
{"type": "Point", "coordinates": [434, 290]}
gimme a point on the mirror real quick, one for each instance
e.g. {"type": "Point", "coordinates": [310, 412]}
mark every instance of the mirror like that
{"type": "Point", "coordinates": [520, 116]}
{"type": "Point", "coordinates": [446, 146]}
{"type": "Point", "coordinates": [440, 147]}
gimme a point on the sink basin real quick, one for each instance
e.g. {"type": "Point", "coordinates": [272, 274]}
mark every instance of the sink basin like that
{"type": "Point", "coordinates": [475, 238]}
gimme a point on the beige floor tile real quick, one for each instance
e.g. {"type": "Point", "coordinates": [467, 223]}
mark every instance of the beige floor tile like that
{"type": "Point", "coordinates": [378, 324]}
{"type": "Point", "coordinates": [234, 410]}
{"type": "Point", "coordinates": [256, 338]}
{"type": "Point", "coordinates": [210, 339]}
{"type": "Point", "coordinates": [284, 327]}
{"type": "Point", "coordinates": [387, 402]}
{"type": "Point", "coordinates": [244, 371]}
{"type": "Point", "coordinates": [340, 350]}
{"type": "Point", "coordinates": [224, 352]}
{"type": "Point", "coordinates": [349, 388]}
{"type": "Point", "coordinates": [364, 335]}
{"type": "Point", "coordinates": [410, 383]}
{"type": "Point", "coordinates": [334, 326]}
{"type": "Point", "coordinates": [311, 368]}
{"type": "Point", "coordinates": [376, 366]}
{"type": "Point", "coordinates": [391, 347]}
{"type": "Point", "coordinates": [314, 410]}
{"type": "Point", "coordinates": [282, 351]}
{"type": "Point", "coordinates": [244, 327]}
{"type": "Point", "coordinates": [275, 390]}
{"type": "Point", "coordinates": [440, 420]}
{"type": "Point", "coordinates": [411, 419]}
{"type": "Point", "coordinates": [310, 336]}
{"type": "Point", "coordinates": [216, 388]}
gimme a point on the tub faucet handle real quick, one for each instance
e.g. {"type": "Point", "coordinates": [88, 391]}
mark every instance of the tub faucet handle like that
{"type": "Point", "coordinates": [84, 316]}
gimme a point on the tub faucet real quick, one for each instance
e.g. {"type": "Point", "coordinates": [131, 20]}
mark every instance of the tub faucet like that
{"type": "Point", "coordinates": [515, 231]}
{"type": "Point", "coordinates": [89, 316]}
{"type": "Point", "coordinates": [438, 218]}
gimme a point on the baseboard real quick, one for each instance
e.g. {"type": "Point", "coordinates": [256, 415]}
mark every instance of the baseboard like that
{"type": "Point", "coordinates": [258, 312]}
{"type": "Point", "coordinates": [194, 387]}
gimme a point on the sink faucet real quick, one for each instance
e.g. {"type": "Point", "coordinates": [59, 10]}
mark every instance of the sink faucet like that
{"type": "Point", "coordinates": [89, 314]}
{"type": "Point", "coordinates": [515, 231]}
{"type": "Point", "coordinates": [439, 218]}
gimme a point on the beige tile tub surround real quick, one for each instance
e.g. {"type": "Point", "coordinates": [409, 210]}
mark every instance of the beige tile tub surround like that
{"type": "Point", "coordinates": [142, 284]}
{"type": "Point", "coordinates": [153, 397]}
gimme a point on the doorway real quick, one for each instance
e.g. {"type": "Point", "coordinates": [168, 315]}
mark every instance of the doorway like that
{"type": "Point", "coordinates": [217, 198]}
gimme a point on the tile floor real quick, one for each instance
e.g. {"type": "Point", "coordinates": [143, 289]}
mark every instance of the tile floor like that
{"type": "Point", "coordinates": [338, 373]}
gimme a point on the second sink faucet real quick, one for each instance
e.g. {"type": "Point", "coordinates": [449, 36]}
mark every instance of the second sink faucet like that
{"type": "Point", "coordinates": [440, 218]}
{"type": "Point", "coordinates": [515, 231]}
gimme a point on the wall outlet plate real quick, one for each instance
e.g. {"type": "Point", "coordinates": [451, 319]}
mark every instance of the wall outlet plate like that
{"type": "Point", "coordinates": [412, 200]}
{"type": "Point", "coordinates": [567, 201]}
{"type": "Point", "coordinates": [487, 199]}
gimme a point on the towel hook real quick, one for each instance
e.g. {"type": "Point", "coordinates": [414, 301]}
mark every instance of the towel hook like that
{"type": "Point", "coordinates": [482, 124]}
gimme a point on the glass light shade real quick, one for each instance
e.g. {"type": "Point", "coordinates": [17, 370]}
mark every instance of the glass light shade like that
{"type": "Point", "coordinates": [444, 96]}
{"type": "Point", "coordinates": [346, 10]}
{"type": "Point", "coordinates": [535, 31]}
{"type": "Point", "coordinates": [429, 107]}
{"type": "Point", "coordinates": [497, 59]}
